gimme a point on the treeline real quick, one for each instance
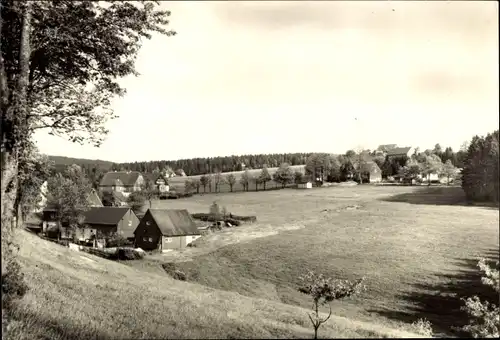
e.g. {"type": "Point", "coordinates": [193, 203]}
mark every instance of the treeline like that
{"type": "Point", "coordinates": [200, 166]}
{"type": "Point", "coordinates": [481, 173]}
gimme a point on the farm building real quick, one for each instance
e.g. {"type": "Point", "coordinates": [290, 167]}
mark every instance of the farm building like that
{"type": "Point", "coordinates": [123, 181]}
{"type": "Point", "coordinates": [49, 220]}
{"type": "Point", "coordinates": [400, 152]}
{"type": "Point", "coordinates": [102, 222]}
{"type": "Point", "coordinates": [160, 181]}
{"type": "Point", "coordinates": [304, 185]}
{"type": "Point", "coordinates": [371, 172]}
{"type": "Point", "coordinates": [166, 229]}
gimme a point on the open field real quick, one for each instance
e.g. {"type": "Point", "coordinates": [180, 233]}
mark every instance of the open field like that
{"type": "Point", "coordinates": [79, 296]}
{"type": "Point", "coordinates": [177, 183]}
{"type": "Point", "coordinates": [414, 245]}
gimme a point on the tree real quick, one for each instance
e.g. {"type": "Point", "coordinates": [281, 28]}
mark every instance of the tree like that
{"type": "Point", "coordinates": [204, 182]}
{"type": "Point", "coordinates": [358, 161]}
{"type": "Point", "coordinates": [34, 170]}
{"type": "Point", "coordinates": [149, 191]}
{"type": "Point", "coordinates": [322, 165]}
{"type": "Point", "coordinates": [264, 177]}
{"type": "Point", "coordinates": [231, 180]}
{"type": "Point", "coordinates": [480, 180]}
{"type": "Point", "coordinates": [209, 182]}
{"type": "Point", "coordinates": [245, 179]}
{"type": "Point", "coordinates": [136, 201]}
{"type": "Point", "coordinates": [188, 186]}
{"type": "Point", "coordinates": [325, 290]}
{"type": "Point", "coordinates": [297, 177]}
{"type": "Point", "coordinates": [59, 70]}
{"type": "Point", "coordinates": [196, 184]}
{"type": "Point", "coordinates": [218, 181]}
{"type": "Point", "coordinates": [284, 175]}
{"type": "Point", "coordinates": [449, 171]}
{"type": "Point", "coordinates": [68, 194]}
{"type": "Point", "coordinates": [410, 171]}
{"type": "Point", "coordinates": [431, 165]}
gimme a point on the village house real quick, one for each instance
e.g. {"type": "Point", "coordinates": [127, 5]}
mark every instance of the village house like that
{"type": "Point", "coordinates": [400, 152]}
{"type": "Point", "coordinates": [384, 149]}
{"type": "Point", "coordinates": [164, 229]}
{"type": "Point", "coordinates": [101, 223]}
{"type": "Point", "coordinates": [160, 181]}
{"type": "Point", "coordinates": [371, 172]}
{"type": "Point", "coordinates": [121, 181]}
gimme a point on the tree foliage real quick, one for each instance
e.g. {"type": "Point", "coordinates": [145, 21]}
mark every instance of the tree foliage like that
{"type": "Point", "coordinates": [69, 195]}
{"type": "Point", "coordinates": [324, 290]}
{"type": "Point", "coordinates": [449, 170]}
{"type": "Point", "coordinates": [149, 190]}
{"type": "Point", "coordinates": [480, 176]}
{"type": "Point", "coordinates": [245, 179]}
{"type": "Point", "coordinates": [264, 177]}
{"type": "Point", "coordinates": [136, 201]}
{"type": "Point", "coordinates": [284, 175]}
{"type": "Point", "coordinates": [231, 180]}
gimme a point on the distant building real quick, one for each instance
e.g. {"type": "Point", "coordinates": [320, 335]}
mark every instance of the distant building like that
{"type": "Point", "coordinates": [160, 181]}
{"type": "Point", "coordinates": [383, 149]}
{"type": "Point", "coordinates": [304, 184]}
{"type": "Point", "coordinates": [372, 171]}
{"type": "Point", "coordinates": [122, 181]}
{"type": "Point", "coordinates": [164, 229]}
{"type": "Point", "coordinates": [400, 152]}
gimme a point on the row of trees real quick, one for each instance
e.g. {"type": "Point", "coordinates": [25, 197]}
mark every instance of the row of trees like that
{"type": "Point", "coordinates": [199, 166]}
{"type": "Point", "coordinates": [283, 176]}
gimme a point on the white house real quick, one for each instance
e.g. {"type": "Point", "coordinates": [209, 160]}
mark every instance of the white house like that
{"type": "Point", "coordinates": [304, 185]}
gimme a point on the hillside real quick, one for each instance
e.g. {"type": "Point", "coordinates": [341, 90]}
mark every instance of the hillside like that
{"type": "Point", "coordinates": [90, 297]}
{"type": "Point", "coordinates": [62, 162]}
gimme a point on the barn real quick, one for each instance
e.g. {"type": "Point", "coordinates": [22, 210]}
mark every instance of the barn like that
{"type": "Point", "coordinates": [165, 229]}
{"type": "Point", "coordinates": [371, 172]}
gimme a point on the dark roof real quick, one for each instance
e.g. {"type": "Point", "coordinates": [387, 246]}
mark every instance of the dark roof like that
{"type": "Point", "coordinates": [128, 178]}
{"type": "Point", "coordinates": [386, 147]}
{"type": "Point", "coordinates": [176, 222]}
{"type": "Point", "coordinates": [105, 215]}
{"type": "Point", "coordinates": [399, 151]}
{"type": "Point", "coordinates": [155, 176]}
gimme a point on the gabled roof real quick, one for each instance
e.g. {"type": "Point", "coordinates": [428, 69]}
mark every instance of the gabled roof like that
{"type": "Point", "coordinates": [128, 178]}
{"type": "Point", "coordinates": [370, 166]}
{"type": "Point", "coordinates": [174, 222]}
{"type": "Point", "coordinates": [105, 215]}
{"type": "Point", "coordinates": [386, 147]}
{"type": "Point", "coordinates": [155, 176]}
{"type": "Point", "coordinates": [399, 151]}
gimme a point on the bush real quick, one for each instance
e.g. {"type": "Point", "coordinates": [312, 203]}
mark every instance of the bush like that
{"type": "Point", "coordinates": [117, 240]}
{"type": "Point", "coordinates": [484, 315]}
{"type": "Point", "coordinates": [422, 327]}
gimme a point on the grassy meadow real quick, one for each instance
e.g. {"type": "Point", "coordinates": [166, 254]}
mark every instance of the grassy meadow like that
{"type": "Point", "coordinates": [413, 245]}
{"type": "Point", "coordinates": [177, 183]}
{"type": "Point", "coordinates": [416, 247]}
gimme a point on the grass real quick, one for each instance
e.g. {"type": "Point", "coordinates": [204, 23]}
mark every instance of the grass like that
{"type": "Point", "coordinates": [79, 296]}
{"type": "Point", "coordinates": [248, 289]}
{"type": "Point", "coordinates": [399, 246]}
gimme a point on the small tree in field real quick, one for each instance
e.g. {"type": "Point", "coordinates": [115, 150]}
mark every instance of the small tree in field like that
{"type": "Point", "coordinates": [231, 180]}
{"type": "Point", "coordinates": [449, 171]}
{"type": "Point", "coordinates": [149, 191]}
{"type": "Point", "coordinates": [245, 180]}
{"type": "Point", "coordinates": [218, 181]}
{"type": "Point", "coordinates": [298, 177]}
{"type": "Point", "coordinates": [284, 175]}
{"type": "Point", "coordinates": [188, 186]}
{"type": "Point", "coordinates": [325, 290]}
{"type": "Point", "coordinates": [196, 185]}
{"type": "Point", "coordinates": [264, 177]}
{"type": "Point", "coordinates": [204, 182]}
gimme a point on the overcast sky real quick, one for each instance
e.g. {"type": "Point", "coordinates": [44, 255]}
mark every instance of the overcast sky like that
{"type": "Point", "coordinates": [272, 77]}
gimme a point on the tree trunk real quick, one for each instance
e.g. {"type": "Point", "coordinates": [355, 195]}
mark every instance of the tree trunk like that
{"type": "Point", "coordinates": [231, 188]}
{"type": "Point", "coordinates": [256, 186]}
{"type": "Point", "coordinates": [429, 180]}
{"type": "Point", "coordinates": [13, 124]}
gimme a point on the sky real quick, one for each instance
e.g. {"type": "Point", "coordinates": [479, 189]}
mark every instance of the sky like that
{"type": "Point", "coordinates": [304, 76]}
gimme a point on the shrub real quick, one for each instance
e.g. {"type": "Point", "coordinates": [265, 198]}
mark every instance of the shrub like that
{"type": "Point", "coordinates": [422, 327]}
{"type": "Point", "coordinates": [117, 240]}
{"type": "Point", "coordinates": [484, 315]}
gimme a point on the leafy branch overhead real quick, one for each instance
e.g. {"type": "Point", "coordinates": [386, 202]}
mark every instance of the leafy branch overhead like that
{"type": "Point", "coordinates": [79, 51]}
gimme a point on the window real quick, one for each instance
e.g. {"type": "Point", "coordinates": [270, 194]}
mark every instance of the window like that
{"type": "Point", "coordinates": [148, 223]}
{"type": "Point", "coordinates": [129, 223]}
{"type": "Point", "coordinates": [168, 239]}
{"type": "Point", "coordinates": [147, 239]}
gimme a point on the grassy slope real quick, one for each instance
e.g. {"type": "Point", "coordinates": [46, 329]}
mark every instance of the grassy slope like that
{"type": "Point", "coordinates": [78, 296]}
{"type": "Point", "coordinates": [399, 247]}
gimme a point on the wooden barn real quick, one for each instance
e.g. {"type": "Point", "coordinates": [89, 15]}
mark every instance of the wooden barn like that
{"type": "Point", "coordinates": [164, 229]}
{"type": "Point", "coordinates": [371, 172]}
